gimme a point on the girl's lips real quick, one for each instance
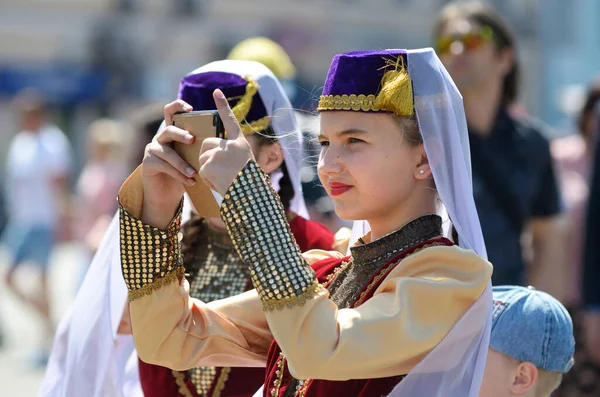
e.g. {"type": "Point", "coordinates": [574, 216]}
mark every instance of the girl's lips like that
{"type": "Point", "coordinates": [337, 188]}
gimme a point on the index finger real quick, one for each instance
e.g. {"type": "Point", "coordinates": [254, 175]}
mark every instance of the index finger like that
{"type": "Point", "coordinates": [232, 127]}
{"type": "Point", "coordinates": [173, 108]}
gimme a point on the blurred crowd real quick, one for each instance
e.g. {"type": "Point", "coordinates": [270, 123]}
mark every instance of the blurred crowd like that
{"type": "Point", "coordinates": [538, 208]}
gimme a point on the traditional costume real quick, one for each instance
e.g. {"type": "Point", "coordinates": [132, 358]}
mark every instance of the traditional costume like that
{"type": "Point", "coordinates": [215, 270]}
{"type": "Point", "coordinates": [409, 312]}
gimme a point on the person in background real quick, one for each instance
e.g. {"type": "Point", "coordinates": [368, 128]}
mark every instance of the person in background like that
{"type": "Point", "coordinates": [92, 357]}
{"type": "Point", "coordinates": [37, 190]}
{"type": "Point", "coordinates": [591, 275]}
{"type": "Point", "coordinates": [514, 184]}
{"type": "Point", "coordinates": [273, 56]}
{"type": "Point", "coordinates": [214, 268]}
{"type": "Point", "coordinates": [146, 121]}
{"type": "Point", "coordinates": [102, 175]}
{"type": "Point", "coordinates": [573, 156]}
{"type": "Point", "coordinates": [531, 346]}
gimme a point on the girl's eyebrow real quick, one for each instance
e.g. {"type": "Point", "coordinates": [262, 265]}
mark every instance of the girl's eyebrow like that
{"type": "Point", "coordinates": [350, 131]}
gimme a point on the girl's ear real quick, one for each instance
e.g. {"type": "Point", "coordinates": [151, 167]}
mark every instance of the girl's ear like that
{"type": "Point", "coordinates": [422, 170]}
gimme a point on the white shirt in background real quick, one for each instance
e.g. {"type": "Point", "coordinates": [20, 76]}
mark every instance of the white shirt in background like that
{"type": "Point", "coordinates": [33, 163]}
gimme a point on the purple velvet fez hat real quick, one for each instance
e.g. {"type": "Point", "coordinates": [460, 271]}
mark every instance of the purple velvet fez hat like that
{"type": "Point", "coordinates": [241, 92]}
{"type": "Point", "coordinates": [369, 81]}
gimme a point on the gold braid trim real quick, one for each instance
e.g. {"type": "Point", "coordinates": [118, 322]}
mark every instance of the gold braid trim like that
{"type": "Point", "coordinates": [255, 126]}
{"type": "Point", "coordinates": [304, 388]}
{"type": "Point", "coordinates": [157, 284]}
{"type": "Point", "coordinates": [331, 276]}
{"type": "Point", "coordinates": [180, 380]}
{"type": "Point", "coordinates": [277, 382]}
{"type": "Point", "coordinates": [221, 382]}
{"type": "Point", "coordinates": [354, 102]}
{"type": "Point", "coordinates": [291, 301]}
{"type": "Point", "coordinates": [242, 107]}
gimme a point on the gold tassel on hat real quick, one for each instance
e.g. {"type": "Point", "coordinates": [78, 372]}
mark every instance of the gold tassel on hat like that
{"type": "Point", "coordinates": [242, 108]}
{"type": "Point", "coordinates": [396, 94]}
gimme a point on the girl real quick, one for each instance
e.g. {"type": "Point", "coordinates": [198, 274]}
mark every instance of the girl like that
{"type": "Point", "coordinates": [408, 307]}
{"type": "Point", "coordinates": [214, 268]}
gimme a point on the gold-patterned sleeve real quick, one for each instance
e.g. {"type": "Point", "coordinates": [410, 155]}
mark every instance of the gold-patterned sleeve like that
{"type": "Point", "coordinates": [150, 257]}
{"type": "Point", "coordinates": [258, 227]}
{"type": "Point", "coordinates": [169, 327]}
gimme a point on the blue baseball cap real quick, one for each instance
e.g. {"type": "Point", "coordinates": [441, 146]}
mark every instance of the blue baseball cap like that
{"type": "Point", "coordinates": [530, 325]}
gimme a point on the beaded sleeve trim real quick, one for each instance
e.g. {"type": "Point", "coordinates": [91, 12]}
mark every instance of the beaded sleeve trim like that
{"type": "Point", "coordinates": [257, 225]}
{"type": "Point", "coordinates": [150, 257]}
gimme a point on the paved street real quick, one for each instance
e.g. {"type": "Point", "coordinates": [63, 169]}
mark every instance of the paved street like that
{"type": "Point", "coordinates": [21, 326]}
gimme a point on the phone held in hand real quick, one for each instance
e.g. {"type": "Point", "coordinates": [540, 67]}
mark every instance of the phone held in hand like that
{"type": "Point", "coordinates": [202, 125]}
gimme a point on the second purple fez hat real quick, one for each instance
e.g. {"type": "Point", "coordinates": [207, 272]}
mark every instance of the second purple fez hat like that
{"type": "Point", "coordinates": [369, 81]}
{"type": "Point", "coordinates": [241, 92]}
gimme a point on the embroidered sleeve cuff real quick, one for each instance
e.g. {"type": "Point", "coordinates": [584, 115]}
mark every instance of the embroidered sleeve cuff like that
{"type": "Point", "coordinates": [150, 257]}
{"type": "Point", "coordinates": [258, 227]}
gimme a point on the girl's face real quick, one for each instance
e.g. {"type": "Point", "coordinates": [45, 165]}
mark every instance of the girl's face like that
{"type": "Point", "coordinates": [370, 169]}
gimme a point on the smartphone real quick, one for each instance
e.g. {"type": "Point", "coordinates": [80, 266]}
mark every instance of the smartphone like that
{"type": "Point", "coordinates": [202, 125]}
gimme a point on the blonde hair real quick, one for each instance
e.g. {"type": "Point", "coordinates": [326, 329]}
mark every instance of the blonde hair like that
{"type": "Point", "coordinates": [548, 381]}
{"type": "Point", "coordinates": [410, 129]}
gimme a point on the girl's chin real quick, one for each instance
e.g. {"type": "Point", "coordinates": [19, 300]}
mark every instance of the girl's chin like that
{"type": "Point", "coordinates": [349, 213]}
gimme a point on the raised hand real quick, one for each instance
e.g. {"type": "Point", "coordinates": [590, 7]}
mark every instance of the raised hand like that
{"type": "Point", "coordinates": [222, 159]}
{"type": "Point", "coordinates": [164, 172]}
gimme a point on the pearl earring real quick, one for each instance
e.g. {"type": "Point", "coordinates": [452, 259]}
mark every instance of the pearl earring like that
{"type": "Point", "coordinates": [421, 171]}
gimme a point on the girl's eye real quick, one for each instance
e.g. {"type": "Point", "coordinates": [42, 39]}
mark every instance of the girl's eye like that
{"type": "Point", "coordinates": [324, 143]}
{"type": "Point", "coordinates": [355, 140]}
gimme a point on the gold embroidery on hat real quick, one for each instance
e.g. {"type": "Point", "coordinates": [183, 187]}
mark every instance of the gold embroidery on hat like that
{"type": "Point", "coordinates": [348, 102]}
{"type": "Point", "coordinates": [243, 106]}
{"type": "Point", "coordinates": [395, 95]}
{"type": "Point", "coordinates": [255, 126]}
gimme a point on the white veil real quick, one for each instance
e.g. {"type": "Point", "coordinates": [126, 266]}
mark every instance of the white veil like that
{"type": "Point", "coordinates": [88, 357]}
{"type": "Point", "coordinates": [455, 367]}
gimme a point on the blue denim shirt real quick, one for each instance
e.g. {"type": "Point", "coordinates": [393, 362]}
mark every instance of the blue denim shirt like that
{"type": "Point", "coordinates": [520, 157]}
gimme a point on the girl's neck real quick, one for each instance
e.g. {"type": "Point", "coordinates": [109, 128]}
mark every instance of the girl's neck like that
{"type": "Point", "coordinates": [389, 223]}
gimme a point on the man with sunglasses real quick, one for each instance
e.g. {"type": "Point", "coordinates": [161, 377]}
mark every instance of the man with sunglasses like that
{"type": "Point", "coordinates": [513, 178]}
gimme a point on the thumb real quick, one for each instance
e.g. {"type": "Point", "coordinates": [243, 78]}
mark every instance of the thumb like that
{"type": "Point", "coordinates": [232, 127]}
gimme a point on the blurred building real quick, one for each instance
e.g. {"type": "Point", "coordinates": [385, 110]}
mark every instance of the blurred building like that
{"type": "Point", "coordinates": [103, 57]}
